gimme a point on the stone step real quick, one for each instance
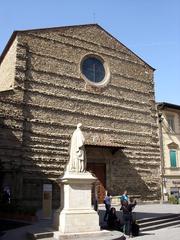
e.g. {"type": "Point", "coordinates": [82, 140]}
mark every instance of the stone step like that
{"type": "Point", "coordinates": [159, 221]}
{"type": "Point", "coordinates": [146, 220]}
{"type": "Point", "coordinates": [174, 222]}
{"type": "Point", "coordinates": [39, 235]}
{"type": "Point", "coordinates": [101, 235]}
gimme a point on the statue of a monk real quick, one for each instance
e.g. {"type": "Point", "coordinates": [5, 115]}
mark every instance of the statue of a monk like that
{"type": "Point", "coordinates": [77, 161]}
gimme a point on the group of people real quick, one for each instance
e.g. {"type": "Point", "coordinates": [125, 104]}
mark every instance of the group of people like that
{"type": "Point", "coordinates": [128, 226]}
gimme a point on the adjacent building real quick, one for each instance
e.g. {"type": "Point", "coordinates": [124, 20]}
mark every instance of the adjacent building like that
{"type": "Point", "coordinates": [170, 146]}
{"type": "Point", "coordinates": [52, 79]}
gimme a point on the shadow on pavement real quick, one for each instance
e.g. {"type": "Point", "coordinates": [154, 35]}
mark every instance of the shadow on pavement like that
{"type": "Point", "coordinates": [6, 225]}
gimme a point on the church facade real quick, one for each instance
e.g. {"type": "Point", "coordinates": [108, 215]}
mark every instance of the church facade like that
{"type": "Point", "coordinates": [53, 79]}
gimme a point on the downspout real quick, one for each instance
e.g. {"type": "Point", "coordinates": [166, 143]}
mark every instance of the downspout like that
{"type": "Point", "coordinates": [163, 183]}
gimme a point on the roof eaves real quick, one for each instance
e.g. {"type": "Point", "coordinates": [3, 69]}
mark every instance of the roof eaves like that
{"type": "Point", "coordinates": [164, 105]}
{"type": "Point", "coordinates": [126, 47]}
{"type": "Point", "coordinates": [57, 28]}
{"type": "Point", "coordinates": [13, 36]}
{"type": "Point", "coordinates": [63, 27]}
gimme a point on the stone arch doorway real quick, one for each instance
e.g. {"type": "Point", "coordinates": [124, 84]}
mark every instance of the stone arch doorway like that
{"type": "Point", "coordinates": [99, 162]}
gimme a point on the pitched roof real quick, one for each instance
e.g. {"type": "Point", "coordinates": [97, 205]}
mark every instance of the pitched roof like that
{"type": "Point", "coordinates": [14, 34]}
{"type": "Point", "coordinates": [163, 105]}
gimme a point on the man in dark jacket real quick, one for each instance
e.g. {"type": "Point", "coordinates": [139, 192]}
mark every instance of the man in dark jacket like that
{"type": "Point", "coordinates": [127, 215]}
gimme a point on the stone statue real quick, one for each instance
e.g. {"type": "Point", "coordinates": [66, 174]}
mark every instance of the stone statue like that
{"type": "Point", "coordinates": [77, 161]}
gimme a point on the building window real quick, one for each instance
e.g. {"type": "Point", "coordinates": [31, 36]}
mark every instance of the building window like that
{"type": "Point", "coordinates": [173, 158]}
{"type": "Point", "coordinates": [95, 70]}
{"type": "Point", "coordinates": [170, 120]}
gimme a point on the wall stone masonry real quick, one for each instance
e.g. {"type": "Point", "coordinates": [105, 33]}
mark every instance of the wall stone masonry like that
{"type": "Point", "coordinates": [50, 97]}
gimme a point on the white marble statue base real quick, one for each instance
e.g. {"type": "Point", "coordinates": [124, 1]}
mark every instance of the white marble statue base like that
{"type": "Point", "coordinates": [77, 214]}
{"type": "Point", "coordinates": [72, 221]}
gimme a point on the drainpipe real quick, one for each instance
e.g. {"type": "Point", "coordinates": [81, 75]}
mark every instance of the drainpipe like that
{"type": "Point", "coordinates": [163, 182]}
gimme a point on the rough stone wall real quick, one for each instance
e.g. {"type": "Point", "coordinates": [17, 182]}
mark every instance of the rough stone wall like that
{"type": "Point", "coordinates": [51, 97]}
{"type": "Point", "coordinates": [7, 69]}
{"type": "Point", "coordinates": [10, 132]}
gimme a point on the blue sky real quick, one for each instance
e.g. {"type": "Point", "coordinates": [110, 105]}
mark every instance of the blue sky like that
{"type": "Point", "coordinates": [149, 28]}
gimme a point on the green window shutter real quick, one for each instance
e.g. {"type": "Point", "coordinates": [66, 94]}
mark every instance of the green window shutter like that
{"type": "Point", "coordinates": [173, 158]}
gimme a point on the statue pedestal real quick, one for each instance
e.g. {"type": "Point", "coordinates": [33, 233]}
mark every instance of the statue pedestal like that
{"type": "Point", "coordinates": [77, 214]}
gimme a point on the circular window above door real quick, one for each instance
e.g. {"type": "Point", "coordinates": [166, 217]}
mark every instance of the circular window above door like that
{"type": "Point", "coordinates": [95, 70]}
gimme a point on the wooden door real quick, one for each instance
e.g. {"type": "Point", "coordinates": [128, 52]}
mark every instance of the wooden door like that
{"type": "Point", "coordinates": [99, 169]}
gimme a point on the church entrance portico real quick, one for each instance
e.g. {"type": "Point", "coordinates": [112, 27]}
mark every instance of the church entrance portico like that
{"type": "Point", "coordinates": [100, 163]}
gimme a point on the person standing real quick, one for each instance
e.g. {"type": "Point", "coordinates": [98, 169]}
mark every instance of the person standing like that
{"type": "Point", "coordinates": [134, 227]}
{"type": "Point", "coordinates": [127, 215]}
{"type": "Point", "coordinates": [124, 197]}
{"type": "Point", "coordinates": [107, 202]}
